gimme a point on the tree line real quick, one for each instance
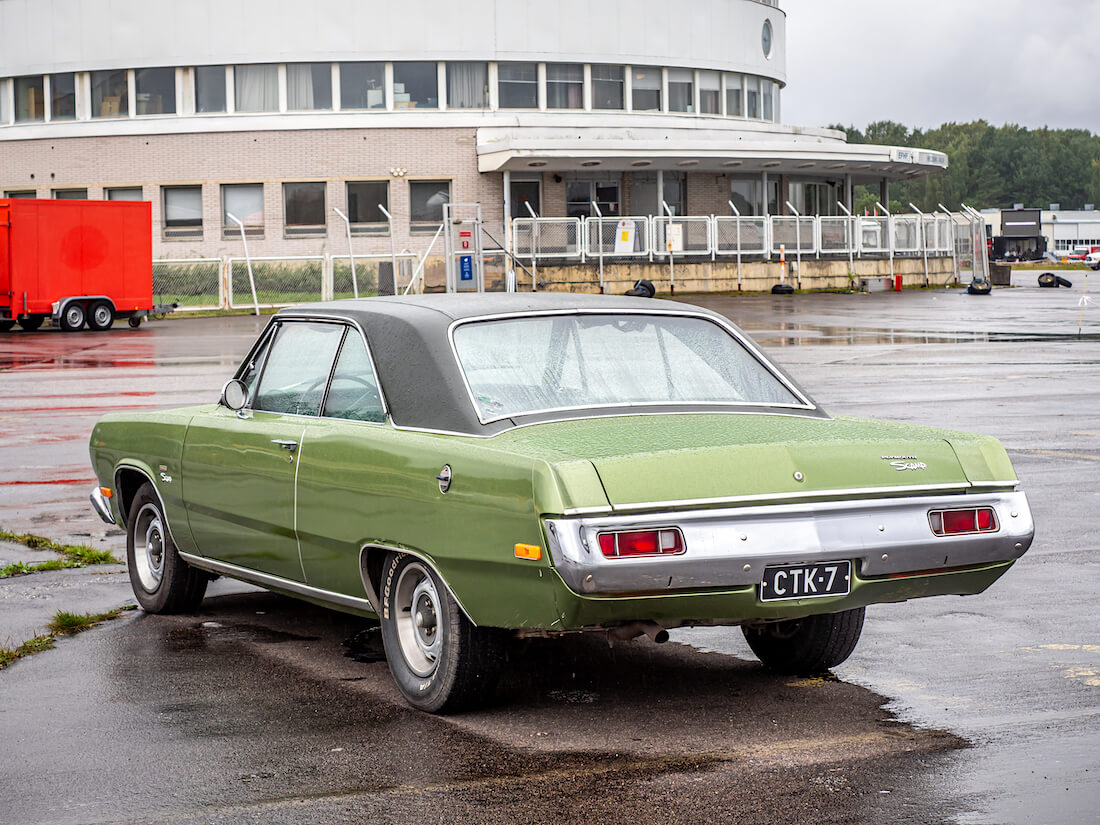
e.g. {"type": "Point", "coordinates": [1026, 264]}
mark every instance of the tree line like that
{"type": "Point", "coordinates": [990, 166]}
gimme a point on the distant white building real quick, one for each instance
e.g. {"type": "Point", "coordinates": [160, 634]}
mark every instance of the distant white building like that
{"type": "Point", "coordinates": [282, 114]}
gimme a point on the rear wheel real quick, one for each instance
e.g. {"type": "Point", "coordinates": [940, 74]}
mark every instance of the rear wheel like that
{"type": "Point", "coordinates": [102, 316]}
{"type": "Point", "coordinates": [134, 321]}
{"type": "Point", "coordinates": [806, 646]}
{"type": "Point", "coordinates": [162, 581]}
{"type": "Point", "coordinates": [72, 319]}
{"type": "Point", "coordinates": [438, 658]}
{"type": "Point", "coordinates": [29, 323]}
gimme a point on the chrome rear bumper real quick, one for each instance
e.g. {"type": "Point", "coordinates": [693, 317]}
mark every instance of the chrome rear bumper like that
{"type": "Point", "coordinates": [730, 547]}
{"type": "Point", "coordinates": [102, 506]}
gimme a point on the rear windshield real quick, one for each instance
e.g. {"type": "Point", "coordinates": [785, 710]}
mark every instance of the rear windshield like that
{"type": "Point", "coordinates": [543, 363]}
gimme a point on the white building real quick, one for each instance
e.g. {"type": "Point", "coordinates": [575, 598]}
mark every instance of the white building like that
{"type": "Point", "coordinates": [281, 114]}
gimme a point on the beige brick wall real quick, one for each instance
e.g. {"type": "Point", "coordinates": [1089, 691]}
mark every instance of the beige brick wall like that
{"type": "Point", "coordinates": [271, 158]}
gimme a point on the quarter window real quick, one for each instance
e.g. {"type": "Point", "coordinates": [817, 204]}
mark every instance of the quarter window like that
{"type": "Point", "coordinates": [354, 391]}
{"type": "Point", "coordinates": [297, 368]}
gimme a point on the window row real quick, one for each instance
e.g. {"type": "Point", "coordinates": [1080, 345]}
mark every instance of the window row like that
{"type": "Point", "coordinates": [303, 87]}
{"type": "Point", "coordinates": [305, 212]}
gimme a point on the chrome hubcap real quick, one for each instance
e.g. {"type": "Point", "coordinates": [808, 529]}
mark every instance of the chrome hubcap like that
{"type": "Point", "coordinates": [416, 604]}
{"type": "Point", "coordinates": [149, 547]}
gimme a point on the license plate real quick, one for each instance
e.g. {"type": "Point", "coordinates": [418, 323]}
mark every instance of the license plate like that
{"type": "Point", "coordinates": [806, 581]}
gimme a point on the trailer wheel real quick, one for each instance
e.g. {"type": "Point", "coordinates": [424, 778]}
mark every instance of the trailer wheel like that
{"type": "Point", "coordinates": [29, 323]}
{"type": "Point", "coordinates": [134, 321]}
{"type": "Point", "coordinates": [102, 316]}
{"type": "Point", "coordinates": [72, 319]}
{"type": "Point", "coordinates": [5, 326]}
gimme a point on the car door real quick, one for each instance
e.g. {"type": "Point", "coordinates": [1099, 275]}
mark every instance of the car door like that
{"type": "Point", "coordinates": [240, 468]}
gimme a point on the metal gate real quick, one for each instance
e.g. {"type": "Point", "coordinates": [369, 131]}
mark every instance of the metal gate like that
{"type": "Point", "coordinates": [462, 247]}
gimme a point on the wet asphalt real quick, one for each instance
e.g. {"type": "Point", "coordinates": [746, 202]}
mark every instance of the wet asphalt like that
{"type": "Point", "coordinates": [982, 709]}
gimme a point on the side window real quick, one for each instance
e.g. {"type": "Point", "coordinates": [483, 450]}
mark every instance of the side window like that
{"type": "Point", "coordinates": [297, 368]}
{"type": "Point", "coordinates": [354, 393]}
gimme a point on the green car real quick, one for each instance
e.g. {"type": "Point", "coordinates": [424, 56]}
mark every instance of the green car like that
{"type": "Point", "coordinates": [473, 468]}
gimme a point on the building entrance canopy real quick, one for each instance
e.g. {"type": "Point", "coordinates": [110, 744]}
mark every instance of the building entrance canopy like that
{"type": "Point", "coordinates": [775, 149]}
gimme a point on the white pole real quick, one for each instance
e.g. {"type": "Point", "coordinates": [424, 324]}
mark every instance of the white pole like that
{"type": "Point", "coordinates": [509, 267]}
{"type": "Point", "coordinates": [351, 252]}
{"type": "Point", "coordinates": [668, 246]}
{"type": "Point", "coordinates": [797, 240]}
{"type": "Point", "coordinates": [534, 247]}
{"type": "Point", "coordinates": [923, 241]}
{"type": "Point", "coordinates": [420, 266]}
{"type": "Point", "coordinates": [851, 240]}
{"type": "Point", "coordinates": [393, 247]}
{"type": "Point", "coordinates": [247, 260]}
{"type": "Point", "coordinates": [954, 247]}
{"type": "Point", "coordinates": [737, 223]}
{"type": "Point", "coordinates": [599, 236]}
{"type": "Point", "coordinates": [889, 237]}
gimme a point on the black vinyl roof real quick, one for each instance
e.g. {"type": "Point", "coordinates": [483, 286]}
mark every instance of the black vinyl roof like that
{"type": "Point", "coordinates": [409, 342]}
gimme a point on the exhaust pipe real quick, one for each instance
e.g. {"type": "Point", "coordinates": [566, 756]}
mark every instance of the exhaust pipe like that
{"type": "Point", "coordinates": [632, 630]}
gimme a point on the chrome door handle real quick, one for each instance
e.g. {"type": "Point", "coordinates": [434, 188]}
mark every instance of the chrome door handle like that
{"type": "Point", "coordinates": [286, 444]}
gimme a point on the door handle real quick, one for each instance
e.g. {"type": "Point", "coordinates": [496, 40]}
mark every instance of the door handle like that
{"type": "Point", "coordinates": [286, 444]}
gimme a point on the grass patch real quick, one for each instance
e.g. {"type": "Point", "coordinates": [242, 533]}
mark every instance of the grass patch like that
{"type": "Point", "coordinates": [62, 624]}
{"type": "Point", "coordinates": [75, 555]}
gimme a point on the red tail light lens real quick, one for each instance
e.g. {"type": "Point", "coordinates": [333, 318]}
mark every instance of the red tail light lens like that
{"type": "Point", "coordinates": [666, 542]}
{"type": "Point", "coordinates": [961, 522]}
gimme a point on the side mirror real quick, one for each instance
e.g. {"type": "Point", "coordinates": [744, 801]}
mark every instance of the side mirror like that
{"type": "Point", "coordinates": [234, 394]}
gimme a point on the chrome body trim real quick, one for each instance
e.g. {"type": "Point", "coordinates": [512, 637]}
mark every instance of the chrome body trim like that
{"type": "Point", "coordinates": [269, 582]}
{"type": "Point", "coordinates": [838, 493]}
{"type": "Point", "coordinates": [730, 547]}
{"type": "Point", "coordinates": [722, 323]}
{"type": "Point", "coordinates": [102, 506]}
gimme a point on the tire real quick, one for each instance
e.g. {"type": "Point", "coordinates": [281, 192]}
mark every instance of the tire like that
{"type": "Point", "coordinates": [1060, 281]}
{"type": "Point", "coordinates": [72, 319]}
{"type": "Point", "coordinates": [5, 326]}
{"type": "Point", "coordinates": [134, 321]}
{"type": "Point", "coordinates": [29, 323]}
{"type": "Point", "coordinates": [101, 316]}
{"type": "Point", "coordinates": [162, 581]}
{"type": "Point", "coordinates": [806, 646]}
{"type": "Point", "coordinates": [440, 661]}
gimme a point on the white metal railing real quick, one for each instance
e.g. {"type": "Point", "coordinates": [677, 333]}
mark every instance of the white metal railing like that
{"type": "Point", "coordinates": [910, 234]}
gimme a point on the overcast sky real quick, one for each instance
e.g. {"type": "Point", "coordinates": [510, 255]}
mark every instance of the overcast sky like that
{"type": "Point", "coordinates": [929, 62]}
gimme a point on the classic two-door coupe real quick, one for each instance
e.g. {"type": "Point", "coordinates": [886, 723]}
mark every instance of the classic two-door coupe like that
{"type": "Point", "coordinates": [473, 468]}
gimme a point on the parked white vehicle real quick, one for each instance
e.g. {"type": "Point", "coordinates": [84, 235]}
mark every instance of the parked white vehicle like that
{"type": "Point", "coordinates": [1093, 259]}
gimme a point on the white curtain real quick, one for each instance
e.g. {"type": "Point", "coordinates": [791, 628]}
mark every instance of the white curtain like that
{"type": "Point", "coordinates": [246, 202]}
{"type": "Point", "coordinates": [299, 86]}
{"type": "Point", "coordinates": [257, 88]}
{"type": "Point", "coordinates": [467, 84]}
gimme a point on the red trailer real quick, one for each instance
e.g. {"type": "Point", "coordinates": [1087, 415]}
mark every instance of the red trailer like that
{"type": "Point", "coordinates": [76, 262]}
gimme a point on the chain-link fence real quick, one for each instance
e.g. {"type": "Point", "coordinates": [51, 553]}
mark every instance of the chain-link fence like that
{"type": "Point", "coordinates": [191, 284]}
{"type": "Point", "coordinates": [611, 237]}
{"type": "Point", "coordinates": [689, 236]}
{"type": "Point", "coordinates": [837, 235]}
{"type": "Point", "coordinates": [748, 235]}
{"type": "Point", "coordinates": [278, 281]}
{"type": "Point", "coordinates": [793, 234]}
{"type": "Point", "coordinates": [373, 275]}
{"type": "Point", "coordinates": [546, 237]}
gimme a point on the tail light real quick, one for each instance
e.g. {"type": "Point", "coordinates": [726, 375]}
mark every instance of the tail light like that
{"type": "Point", "coordinates": [666, 542]}
{"type": "Point", "coordinates": [961, 522]}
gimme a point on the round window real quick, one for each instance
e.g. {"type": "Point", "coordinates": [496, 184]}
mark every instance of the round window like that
{"type": "Point", "coordinates": [766, 38]}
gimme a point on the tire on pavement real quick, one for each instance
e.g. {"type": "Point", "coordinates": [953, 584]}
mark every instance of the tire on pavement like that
{"type": "Point", "coordinates": [162, 581]}
{"type": "Point", "coordinates": [101, 316]}
{"type": "Point", "coordinates": [806, 646]}
{"type": "Point", "coordinates": [440, 661]}
{"type": "Point", "coordinates": [73, 316]}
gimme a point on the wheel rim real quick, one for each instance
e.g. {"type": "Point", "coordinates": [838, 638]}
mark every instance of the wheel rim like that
{"type": "Point", "coordinates": [149, 547]}
{"type": "Point", "coordinates": [74, 316]}
{"type": "Point", "coordinates": [419, 632]}
{"type": "Point", "coordinates": [102, 315]}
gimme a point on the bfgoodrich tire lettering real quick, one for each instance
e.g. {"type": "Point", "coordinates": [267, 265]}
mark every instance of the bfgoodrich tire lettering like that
{"type": "Point", "coordinates": [438, 658]}
{"type": "Point", "coordinates": [162, 581]}
{"type": "Point", "coordinates": [806, 646]}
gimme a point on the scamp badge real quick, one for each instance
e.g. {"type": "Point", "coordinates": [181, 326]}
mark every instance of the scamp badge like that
{"type": "Point", "coordinates": [901, 463]}
{"type": "Point", "coordinates": [444, 478]}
